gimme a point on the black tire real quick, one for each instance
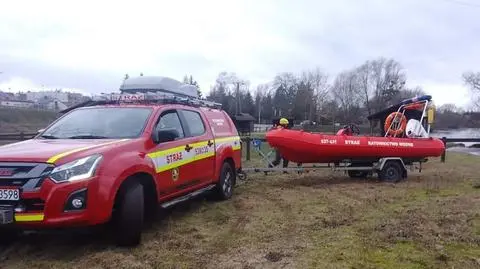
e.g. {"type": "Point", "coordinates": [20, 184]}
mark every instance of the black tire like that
{"type": "Point", "coordinates": [8, 236]}
{"type": "Point", "coordinates": [242, 176]}
{"type": "Point", "coordinates": [129, 217]}
{"type": "Point", "coordinates": [357, 174]}
{"type": "Point", "coordinates": [392, 172]}
{"type": "Point", "coordinates": [224, 188]}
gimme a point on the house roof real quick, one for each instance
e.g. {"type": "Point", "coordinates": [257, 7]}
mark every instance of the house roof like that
{"type": "Point", "coordinates": [384, 113]}
{"type": "Point", "coordinates": [243, 117]}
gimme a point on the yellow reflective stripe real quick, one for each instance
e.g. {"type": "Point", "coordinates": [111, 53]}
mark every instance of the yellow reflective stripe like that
{"type": "Point", "coordinates": [230, 139]}
{"type": "Point", "coordinates": [162, 153]}
{"type": "Point", "coordinates": [204, 156]}
{"type": "Point", "coordinates": [158, 156]}
{"type": "Point", "coordinates": [227, 139]}
{"type": "Point", "coordinates": [174, 165]}
{"type": "Point", "coordinates": [29, 217]}
{"type": "Point", "coordinates": [61, 155]}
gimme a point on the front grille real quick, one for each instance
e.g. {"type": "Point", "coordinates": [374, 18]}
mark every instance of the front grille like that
{"type": "Point", "coordinates": [9, 182]}
{"type": "Point", "coordinates": [27, 176]}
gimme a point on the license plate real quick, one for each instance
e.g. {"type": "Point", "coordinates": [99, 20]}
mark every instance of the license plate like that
{"type": "Point", "coordinates": [6, 215]}
{"type": "Point", "coordinates": [9, 195]}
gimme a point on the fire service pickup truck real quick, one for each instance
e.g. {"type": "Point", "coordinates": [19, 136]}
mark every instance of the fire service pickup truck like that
{"type": "Point", "coordinates": [115, 159]}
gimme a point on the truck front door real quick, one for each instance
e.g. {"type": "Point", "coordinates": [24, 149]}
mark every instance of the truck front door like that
{"type": "Point", "coordinates": [174, 160]}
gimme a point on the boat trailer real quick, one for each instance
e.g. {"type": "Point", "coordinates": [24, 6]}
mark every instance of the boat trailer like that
{"type": "Point", "coordinates": [391, 169]}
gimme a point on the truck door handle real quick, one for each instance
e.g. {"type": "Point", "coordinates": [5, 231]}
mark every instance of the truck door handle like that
{"type": "Point", "coordinates": [209, 143]}
{"type": "Point", "coordinates": [188, 148]}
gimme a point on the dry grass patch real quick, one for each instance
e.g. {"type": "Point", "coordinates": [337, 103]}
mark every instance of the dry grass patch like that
{"type": "Point", "coordinates": [314, 220]}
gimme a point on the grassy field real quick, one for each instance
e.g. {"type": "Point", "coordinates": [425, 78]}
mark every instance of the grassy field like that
{"type": "Point", "coordinates": [314, 220]}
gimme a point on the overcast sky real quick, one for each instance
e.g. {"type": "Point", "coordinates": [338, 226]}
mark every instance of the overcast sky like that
{"type": "Point", "coordinates": [90, 45]}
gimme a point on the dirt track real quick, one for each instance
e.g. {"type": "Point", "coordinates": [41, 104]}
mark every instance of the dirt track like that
{"type": "Point", "coordinates": [319, 220]}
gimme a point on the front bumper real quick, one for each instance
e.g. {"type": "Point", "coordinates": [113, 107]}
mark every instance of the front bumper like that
{"type": "Point", "coordinates": [47, 207]}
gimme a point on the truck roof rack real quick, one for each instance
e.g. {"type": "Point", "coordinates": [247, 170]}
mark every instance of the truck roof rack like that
{"type": "Point", "coordinates": [144, 84]}
{"type": "Point", "coordinates": [153, 98]}
{"type": "Point", "coordinates": [150, 90]}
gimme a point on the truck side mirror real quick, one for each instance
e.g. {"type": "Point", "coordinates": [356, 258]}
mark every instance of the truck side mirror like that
{"type": "Point", "coordinates": [165, 135]}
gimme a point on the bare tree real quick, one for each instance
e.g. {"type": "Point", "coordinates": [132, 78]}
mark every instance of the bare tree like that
{"type": "Point", "coordinates": [317, 82]}
{"type": "Point", "coordinates": [388, 79]}
{"type": "Point", "coordinates": [365, 79]}
{"type": "Point", "coordinates": [473, 81]}
{"type": "Point", "coordinates": [285, 85]}
{"type": "Point", "coordinates": [346, 94]}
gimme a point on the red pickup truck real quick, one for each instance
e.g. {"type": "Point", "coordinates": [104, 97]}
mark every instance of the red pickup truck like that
{"type": "Point", "coordinates": [115, 163]}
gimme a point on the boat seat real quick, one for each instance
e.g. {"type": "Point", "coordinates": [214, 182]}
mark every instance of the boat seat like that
{"type": "Point", "coordinates": [345, 131]}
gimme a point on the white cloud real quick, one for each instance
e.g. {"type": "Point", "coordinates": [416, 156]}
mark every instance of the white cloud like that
{"type": "Point", "coordinates": [92, 44]}
{"type": "Point", "coordinates": [18, 84]}
{"type": "Point", "coordinates": [456, 94]}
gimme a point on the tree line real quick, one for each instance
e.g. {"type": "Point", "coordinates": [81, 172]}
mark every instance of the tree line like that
{"type": "Point", "coordinates": [312, 95]}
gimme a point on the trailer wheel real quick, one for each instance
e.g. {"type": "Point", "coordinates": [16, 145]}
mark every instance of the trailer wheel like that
{"type": "Point", "coordinates": [357, 174]}
{"type": "Point", "coordinates": [242, 175]}
{"type": "Point", "coordinates": [392, 171]}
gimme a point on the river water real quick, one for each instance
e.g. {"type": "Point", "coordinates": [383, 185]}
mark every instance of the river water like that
{"type": "Point", "coordinates": [461, 133]}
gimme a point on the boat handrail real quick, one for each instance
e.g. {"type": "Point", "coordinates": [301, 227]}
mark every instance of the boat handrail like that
{"type": "Point", "coordinates": [418, 100]}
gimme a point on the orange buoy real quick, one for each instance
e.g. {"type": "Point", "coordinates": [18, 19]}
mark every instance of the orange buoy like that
{"type": "Point", "coordinates": [395, 124]}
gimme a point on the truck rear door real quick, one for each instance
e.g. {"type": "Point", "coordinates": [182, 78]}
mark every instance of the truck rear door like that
{"type": "Point", "coordinates": [202, 143]}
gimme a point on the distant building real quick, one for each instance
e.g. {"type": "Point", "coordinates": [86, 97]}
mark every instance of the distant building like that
{"type": "Point", "coordinates": [56, 105]}
{"type": "Point", "coordinates": [50, 104]}
{"type": "Point", "coordinates": [76, 98]}
{"type": "Point", "coordinates": [58, 95]}
{"type": "Point", "coordinates": [16, 104]}
{"type": "Point", "coordinates": [6, 96]}
{"type": "Point", "coordinates": [20, 96]}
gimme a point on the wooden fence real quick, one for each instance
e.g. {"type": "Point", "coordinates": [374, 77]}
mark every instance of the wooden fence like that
{"type": "Point", "coordinates": [246, 141]}
{"type": "Point", "coordinates": [16, 137]}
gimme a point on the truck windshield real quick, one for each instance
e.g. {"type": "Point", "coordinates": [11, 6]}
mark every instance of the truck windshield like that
{"type": "Point", "coordinates": [100, 123]}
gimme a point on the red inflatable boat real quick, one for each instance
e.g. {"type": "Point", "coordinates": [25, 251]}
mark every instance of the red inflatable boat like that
{"type": "Point", "coordinates": [304, 147]}
{"type": "Point", "coordinates": [404, 138]}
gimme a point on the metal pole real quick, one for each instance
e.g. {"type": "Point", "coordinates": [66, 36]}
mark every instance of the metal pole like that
{"type": "Point", "coordinates": [444, 139]}
{"type": "Point", "coordinates": [248, 148]}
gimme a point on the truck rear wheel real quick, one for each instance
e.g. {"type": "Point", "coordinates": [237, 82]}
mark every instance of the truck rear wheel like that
{"type": "Point", "coordinates": [392, 171]}
{"type": "Point", "coordinates": [129, 215]}
{"type": "Point", "coordinates": [224, 188]}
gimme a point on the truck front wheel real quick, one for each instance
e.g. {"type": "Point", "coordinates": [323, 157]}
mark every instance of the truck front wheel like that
{"type": "Point", "coordinates": [129, 215]}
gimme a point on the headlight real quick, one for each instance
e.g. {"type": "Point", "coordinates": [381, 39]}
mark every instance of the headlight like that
{"type": "Point", "coordinates": [77, 170]}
